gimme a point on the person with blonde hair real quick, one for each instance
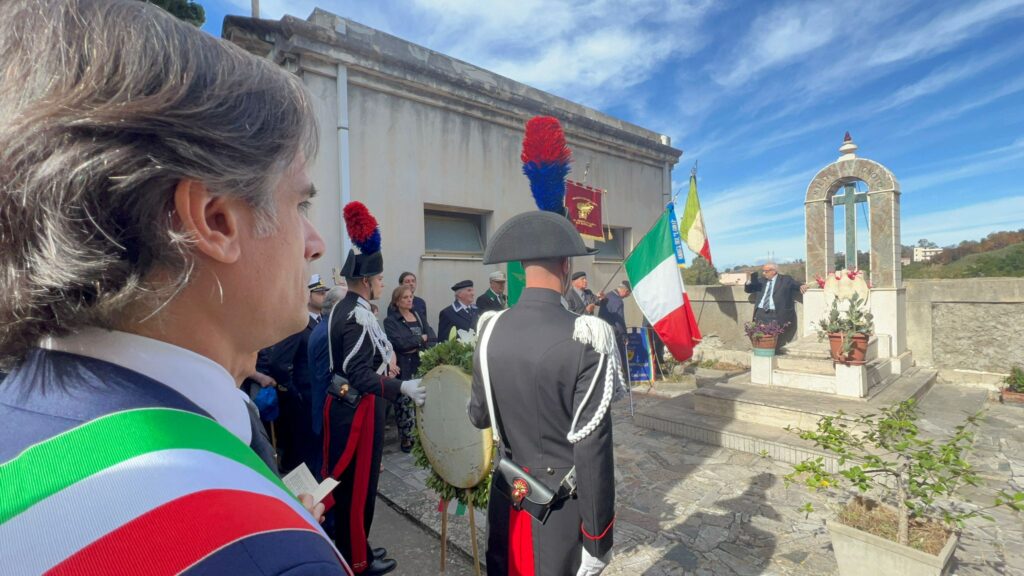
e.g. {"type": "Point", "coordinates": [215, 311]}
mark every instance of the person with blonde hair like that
{"type": "Point", "coordinates": [151, 176]}
{"type": "Point", "coordinates": [409, 334]}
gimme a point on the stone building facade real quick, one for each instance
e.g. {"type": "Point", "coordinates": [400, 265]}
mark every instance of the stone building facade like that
{"type": "Point", "coordinates": [431, 145]}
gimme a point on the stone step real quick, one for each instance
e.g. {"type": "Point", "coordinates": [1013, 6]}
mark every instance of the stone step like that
{"type": "Point", "coordinates": [809, 381]}
{"type": "Point", "coordinates": [807, 364]}
{"type": "Point", "coordinates": [781, 407]}
{"type": "Point", "coordinates": [808, 346]}
{"type": "Point", "coordinates": [679, 418]}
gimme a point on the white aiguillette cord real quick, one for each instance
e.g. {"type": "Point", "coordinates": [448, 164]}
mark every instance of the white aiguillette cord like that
{"type": "Point", "coordinates": [489, 320]}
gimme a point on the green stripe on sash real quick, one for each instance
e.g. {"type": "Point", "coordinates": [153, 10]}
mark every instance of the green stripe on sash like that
{"type": "Point", "coordinates": [50, 466]}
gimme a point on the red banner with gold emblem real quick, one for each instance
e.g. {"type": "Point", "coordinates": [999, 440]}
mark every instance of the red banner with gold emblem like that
{"type": "Point", "coordinates": [584, 206]}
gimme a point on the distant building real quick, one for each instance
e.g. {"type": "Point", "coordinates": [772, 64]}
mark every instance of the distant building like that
{"type": "Point", "coordinates": [733, 278]}
{"type": "Point", "coordinates": [925, 254]}
{"type": "Point", "coordinates": [431, 145]}
{"type": "Point", "coordinates": [905, 261]}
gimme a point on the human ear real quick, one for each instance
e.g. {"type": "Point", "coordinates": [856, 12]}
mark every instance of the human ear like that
{"type": "Point", "coordinates": [211, 222]}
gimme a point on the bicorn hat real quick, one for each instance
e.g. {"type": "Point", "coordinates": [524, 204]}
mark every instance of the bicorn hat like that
{"type": "Point", "coordinates": [365, 234]}
{"type": "Point", "coordinates": [545, 233]}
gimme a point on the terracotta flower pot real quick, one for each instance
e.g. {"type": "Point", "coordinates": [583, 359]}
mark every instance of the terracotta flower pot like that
{"type": "Point", "coordinates": [858, 353]}
{"type": "Point", "coordinates": [765, 342]}
{"type": "Point", "coordinates": [1007, 395]}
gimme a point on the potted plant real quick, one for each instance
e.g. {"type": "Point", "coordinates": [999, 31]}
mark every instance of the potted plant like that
{"type": "Point", "coordinates": [1013, 391]}
{"type": "Point", "coordinates": [764, 335]}
{"type": "Point", "coordinates": [847, 330]}
{"type": "Point", "coordinates": [912, 527]}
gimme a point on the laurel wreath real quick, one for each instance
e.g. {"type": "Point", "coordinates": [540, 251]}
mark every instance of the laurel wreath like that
{"type": "Point", "coordinates": [460, 355]}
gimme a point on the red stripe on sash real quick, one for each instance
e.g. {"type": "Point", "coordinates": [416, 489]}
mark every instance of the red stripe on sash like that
{"type": "Point", "coordinates": [173, 537]}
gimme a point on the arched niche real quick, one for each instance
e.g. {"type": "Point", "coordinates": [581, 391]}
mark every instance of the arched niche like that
{"type": "Point", "coordinates": [883, 214]}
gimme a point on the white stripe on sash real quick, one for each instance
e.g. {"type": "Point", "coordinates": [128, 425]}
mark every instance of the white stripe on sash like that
{"type": "Point", "coordinates": [55, 528]}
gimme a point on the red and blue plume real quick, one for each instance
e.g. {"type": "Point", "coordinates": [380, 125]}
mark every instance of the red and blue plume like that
{"type": "Point", "coordinates": [362, 227]}
{"type": "Point", "coordinates": [546, 162]}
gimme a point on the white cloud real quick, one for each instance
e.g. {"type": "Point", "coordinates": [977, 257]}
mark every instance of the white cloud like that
{"type": "Point", "coordinates": [988, 162]}
{"type": "Point", "coordinates": [974, 221]}
{"type": "Point", "coordinates": [779, 37]}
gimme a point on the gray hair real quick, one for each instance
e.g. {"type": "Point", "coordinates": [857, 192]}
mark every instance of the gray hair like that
{"type": "Point", "coordinates": [105, 106]}
{"type": "Point", "coordinates": [334, 295]}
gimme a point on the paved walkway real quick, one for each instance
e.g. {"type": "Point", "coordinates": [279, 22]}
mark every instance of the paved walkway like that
{"type": "Point", "coordinates": [688, 508]}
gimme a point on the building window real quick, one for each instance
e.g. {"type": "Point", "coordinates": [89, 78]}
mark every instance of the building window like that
{"type": "Point", "coordinates": [613, 249]}
{"type": "Point", "coordinates": [459, 233]}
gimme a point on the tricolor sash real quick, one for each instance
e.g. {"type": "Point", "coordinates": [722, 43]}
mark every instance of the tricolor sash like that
{"type": "Point", "coordinates": [151, 491]}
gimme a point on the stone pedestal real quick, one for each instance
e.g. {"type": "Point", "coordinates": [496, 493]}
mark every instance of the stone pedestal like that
{"type": "Point", "coordinates": [889, 308]}
{"type": "Point", "coordinates": [762, 366]}
{"type": "Point", "coordinates": [851, 381]}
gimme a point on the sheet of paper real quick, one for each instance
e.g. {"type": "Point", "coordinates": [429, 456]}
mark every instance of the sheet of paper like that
{"type": "Point", "coordinates": [301, 481]}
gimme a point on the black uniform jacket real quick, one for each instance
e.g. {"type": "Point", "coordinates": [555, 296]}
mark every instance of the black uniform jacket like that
{"type": "Point", "coordinates": [289, 361]}
{"type": "Point", "coordinates": [465, 319]}
{"type": "Point", "coordinates": [362, 372]}
{"type": "Point", "coordinates": [539, 377]}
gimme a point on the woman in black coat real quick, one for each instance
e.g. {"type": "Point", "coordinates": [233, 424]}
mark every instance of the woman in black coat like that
{"type": "Point", "coordinates": [409, 334]}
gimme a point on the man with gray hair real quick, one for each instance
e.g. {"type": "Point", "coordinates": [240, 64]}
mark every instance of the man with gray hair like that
{"type": "Point", "coordinates": [150, 176]}
{"type": "Point", "coordinates": [775, 298]}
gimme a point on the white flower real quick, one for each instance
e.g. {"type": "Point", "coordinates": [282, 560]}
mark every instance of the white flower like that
{"type": "Point", "coordinates": [467, 337]}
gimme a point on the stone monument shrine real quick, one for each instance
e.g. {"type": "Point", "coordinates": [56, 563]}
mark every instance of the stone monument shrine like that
{"type": "Point", "coordinates": [801, 384]}
{"type": "Point", "coordinates": [806, 363]}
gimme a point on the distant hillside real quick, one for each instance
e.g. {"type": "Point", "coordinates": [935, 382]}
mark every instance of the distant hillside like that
{"type": "Point", "coordinates": [1008, 261]}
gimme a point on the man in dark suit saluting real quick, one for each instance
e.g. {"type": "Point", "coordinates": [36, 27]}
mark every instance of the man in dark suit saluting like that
{"type": "Point", "coordinates": [776, 295]}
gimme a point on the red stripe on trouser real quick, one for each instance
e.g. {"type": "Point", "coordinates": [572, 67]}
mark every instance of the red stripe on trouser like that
{"type": "Point", "coordinates": [360, 447]}
{"type": "Point", "coordinates": [354, 431]}
{"type": "Point", "coordinates": [176, 535]}
{"type": "Point", "coordinates": [361, 487]}
{"type": "Point", "coordinates": [520, 542]}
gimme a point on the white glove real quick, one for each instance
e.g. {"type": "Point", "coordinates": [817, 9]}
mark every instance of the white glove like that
{"type": "Point", "coordinates": [414, 391]}
{"type": "Point", "coordinates": [591, 566]}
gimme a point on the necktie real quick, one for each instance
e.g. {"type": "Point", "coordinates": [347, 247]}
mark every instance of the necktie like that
{"type": "Point", "coordinates": [766, 300]}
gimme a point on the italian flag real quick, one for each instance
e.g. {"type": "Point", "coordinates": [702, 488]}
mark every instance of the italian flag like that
{"type": "Point", "coordinates": [691, 227]}
{"type": "Point", "coordinates": [658, 289]}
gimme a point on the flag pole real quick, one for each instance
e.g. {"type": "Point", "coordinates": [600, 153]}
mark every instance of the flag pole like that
{"type": "Point", "coordinates": [626, 257]}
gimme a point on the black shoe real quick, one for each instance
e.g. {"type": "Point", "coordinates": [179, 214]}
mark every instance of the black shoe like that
{"type": "Point", "coordinates": [380, 553]}
{"type": "Point", "coordinates": [379, 567]}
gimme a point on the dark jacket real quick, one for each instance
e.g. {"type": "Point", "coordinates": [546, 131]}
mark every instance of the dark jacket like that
{"type": "Point", "coordinates": [578, 305]}
{"type": "Point", "coordinates": [540, 376]}
{"type": "Point", "coordinates": [289, 362]}
{"type": "Point", "coordinates": [465, 319]}
{"type": "Point", "coordinates": [613, 311]}
{"type": "Point", "coordinates": [784, 296]}
{"type": "Point", "coordinates": [407, 344]}
{"type": "Point", "coordinates": [491, 301]}
{"type": "Point", "coordinates": [362, 368]}
{"type": "Point", "coordinates": [319, 373]}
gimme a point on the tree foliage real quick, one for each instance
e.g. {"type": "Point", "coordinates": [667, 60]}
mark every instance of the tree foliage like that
{"type": "Point", "coordinates": [191, 12]}
{"type": "Point", "coordinates": [700, 273]}
{"type": "Point", "coordinates": [885, 452]}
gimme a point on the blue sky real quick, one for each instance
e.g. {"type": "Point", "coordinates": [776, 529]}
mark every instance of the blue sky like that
{"type": "Point", "coordinates": [760, 93]}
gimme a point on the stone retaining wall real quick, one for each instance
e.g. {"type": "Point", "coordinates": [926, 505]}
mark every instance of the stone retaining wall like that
{"type": "Point", "coordinates": [971, 330]}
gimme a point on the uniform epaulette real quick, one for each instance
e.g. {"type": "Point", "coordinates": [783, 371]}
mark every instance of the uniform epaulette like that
{"type": "Point", "coordinates": [596, 332]}
{"type": "Point", "coordinates": [363, 316]}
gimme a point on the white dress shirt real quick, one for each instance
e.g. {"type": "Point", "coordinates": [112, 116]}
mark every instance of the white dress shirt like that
{"type": "Point", "coordinates": [196, 377]}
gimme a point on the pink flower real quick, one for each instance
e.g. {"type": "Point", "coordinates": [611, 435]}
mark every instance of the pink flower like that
{"type": "Point", "coordinates": [852, 274]}
{"type": "Point", "coordinates": [819, 280]}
